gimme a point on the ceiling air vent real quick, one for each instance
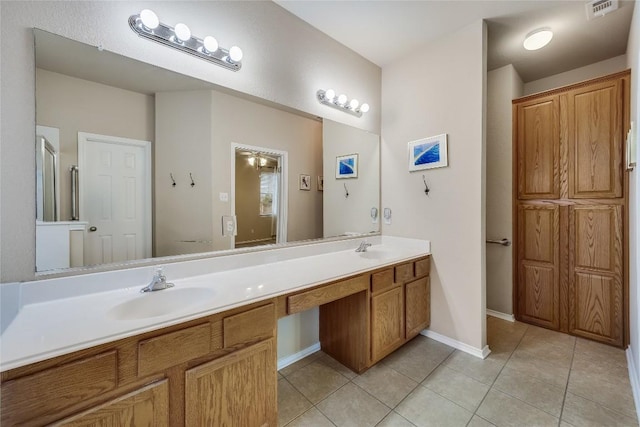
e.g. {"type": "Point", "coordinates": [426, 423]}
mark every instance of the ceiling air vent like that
{"type": "Point", "coordinates": [598, 8]}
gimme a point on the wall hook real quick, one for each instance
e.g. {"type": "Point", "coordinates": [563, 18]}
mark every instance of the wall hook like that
{"type": "Point", "coordinates": [192, 183]}
{"type": "Point", "coordinates": [346, 192]}
{"type": "Point", "coordinates": [426, 187]}
{"type": "Point", "coordinates": [173, 180]}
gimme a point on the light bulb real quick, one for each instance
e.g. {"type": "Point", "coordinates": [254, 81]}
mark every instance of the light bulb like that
{"type": "Point", "coordinates": [330, 94]}
{"type": "Point", "coordinates": [354, 104]}
{"type": "Point", "coordinates": [263, 161]}
{"type": "Point", "coordinates": [149, 19]}
{"type": "Point", "coordinates": [235, 54]}
{"type": "Point", "coordinates": [183, 33]}
{"type": "Point", "coordinates": [364, 107]}
{"type": "Point", "coordinates": [538, 39]}
{"type": "Point", "coordinates": [252, 161]}
{"type": "Point", "coordinates": [210, 44]}
{"type": "Point", "coordinates": [342, 99]}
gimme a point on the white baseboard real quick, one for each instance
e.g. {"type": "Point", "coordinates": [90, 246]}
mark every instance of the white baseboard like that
{"type": "Point", "coordinates": [458, 345]}
{"type": "Point", "coordinates": [503, 316]}
{"type": "Point", "coordinates": [286, 361]}
{"type": "Point", "coordinates": [635, 380]}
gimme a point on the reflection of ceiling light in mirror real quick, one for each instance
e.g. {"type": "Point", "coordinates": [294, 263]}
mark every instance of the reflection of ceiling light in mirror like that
{"type": "Point", "coordinates": [263, 161]}
{"type": "Point", "coordinates": [252, 161]}
{"type": "Point", "coordinates": [147, 25]}
{"type": "Point", "coordinates": [149, 19]}
{"type": "Point", "coordinates": [328, 97]}
{"type": "Point", "coordinates": [538, 39]}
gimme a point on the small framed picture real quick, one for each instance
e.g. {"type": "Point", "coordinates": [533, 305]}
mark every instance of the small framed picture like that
{"type": "Point", "coordinates": [320, 183]}
{"type": "Point", "coordinates": [305, 182]}
{"type": "Point", "coordinates": [428, 153]}
{"type": "Point", "coordinates": [347, 166]}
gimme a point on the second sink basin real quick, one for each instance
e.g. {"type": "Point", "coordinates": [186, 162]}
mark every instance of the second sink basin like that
{"type": "Point", "coordinates": [376, 254]}
{"type": "Point", "coordinates": [160, 303]}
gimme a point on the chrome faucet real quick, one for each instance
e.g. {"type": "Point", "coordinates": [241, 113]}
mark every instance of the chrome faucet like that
{"type": "Point", "coordinates": [158, 283]}
{"type": "Point", "coordinates": [363, 246]}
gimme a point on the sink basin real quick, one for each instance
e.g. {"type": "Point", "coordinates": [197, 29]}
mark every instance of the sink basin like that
{"type": "Point", "coordinates": [160, 303]}
{"type": "Point", "coordinates": [375, 254]}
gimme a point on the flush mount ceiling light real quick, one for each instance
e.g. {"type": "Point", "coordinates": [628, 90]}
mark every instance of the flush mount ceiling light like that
{"type": "Point", "coordinates": [538, 39]}
{"type": "Point", "coordinates": [341, 102]}
{"type": "Point", "coordinates": [146, 24]}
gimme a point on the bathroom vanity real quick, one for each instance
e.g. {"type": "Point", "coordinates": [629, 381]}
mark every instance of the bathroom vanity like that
{"type": "Point", "coordinates": [219, 367]}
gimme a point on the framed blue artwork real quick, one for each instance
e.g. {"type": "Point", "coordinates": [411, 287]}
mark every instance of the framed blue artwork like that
{"type": "Point", "coordinates": [428, 153]}
{"type": "Point", "coordinates": [347, 166]}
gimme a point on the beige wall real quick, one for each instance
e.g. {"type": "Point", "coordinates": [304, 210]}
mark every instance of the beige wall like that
{"type": "Point", "coordinates": [288, 76]}
{"type": "Point", "coordinates": [74, 105]}
{"type": "Point", "coordinates": [183, 146]}
{"type": "Point", "coordinates": [633, 58]}
{"type": "Point", "coordinates": [350, 214]}
{"type": "Point", "coordinates": [602, 68]}
{"type": "Point", "coordinates": [503, 85]}
{"type": "Point", "coordinates": [251, 225]}
{"type": "Point", "coordinates": [236, 120]}
{"type": "Point", "coordinates": [440, 89]}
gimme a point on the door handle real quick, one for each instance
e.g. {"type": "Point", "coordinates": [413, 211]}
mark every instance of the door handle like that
{"type": "Point", "coordinates": [92, 229]}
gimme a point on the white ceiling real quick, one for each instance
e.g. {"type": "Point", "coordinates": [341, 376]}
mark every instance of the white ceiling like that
{"type": "Point", "coordinates": [386, 30]}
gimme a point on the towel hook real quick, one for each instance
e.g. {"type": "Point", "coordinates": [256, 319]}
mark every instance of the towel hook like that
{"type": "Point", "coordinates": [173, 180]}
{"type": "Point", "coordinates": [346, 192]}
{"type": "Point", "coordinates": [426, 187]}
{"type": "Point", "coordinates": [192, 183]}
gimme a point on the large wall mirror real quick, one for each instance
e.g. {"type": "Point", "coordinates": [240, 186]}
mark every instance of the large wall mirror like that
{"type": "Point", "coordinates": [140, 162]}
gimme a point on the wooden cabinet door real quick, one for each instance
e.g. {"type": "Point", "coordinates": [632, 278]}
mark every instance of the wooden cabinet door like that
{"type": "Point", "coordinates": [594, 120]}
{"type": "Point", "coordinates": [417, 306]}
{"type": "Point", "coordinates": [596, 272]}
{"type": "Point", "coordinates": [238, 389]}
{"type": "Point", "coordinates": [387, 322]}
{"type": "Point", "coordinates": [538, 148]}
{"type": "Point", "coordinates": [538, 264]}
{"type": "Point", "coordinates": [147, 407]}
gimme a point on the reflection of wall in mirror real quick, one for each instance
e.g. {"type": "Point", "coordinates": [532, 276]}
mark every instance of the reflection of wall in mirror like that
{"type": "Point", "coordinates": [74, 105]}
{"type": "Point", "coordinates": [350, 214]}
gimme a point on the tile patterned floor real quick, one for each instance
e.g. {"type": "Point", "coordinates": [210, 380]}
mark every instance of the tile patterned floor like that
{"type": "Point", "coordinates": [533, 377]}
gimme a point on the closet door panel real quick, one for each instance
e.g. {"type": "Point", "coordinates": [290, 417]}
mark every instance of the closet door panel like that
{"type": "Point", "coordinates": [595, 141]}
{"type": "Point", "coordinates": [538, 149]}
{"type": "Point", "coordinates": [596, 272]}
{"type": "Point", "coordinates": [538, 264]}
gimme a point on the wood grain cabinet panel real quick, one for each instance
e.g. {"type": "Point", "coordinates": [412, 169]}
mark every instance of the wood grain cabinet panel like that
{"type": "Point", "coordinates": [404, 272]}
{"type": "Point", "coordinates": [423, 267]}
{"type": "Point", "coordinates": [387, 322]}
{"type": "Point", "coordinates": [570, 237]}
{"type": "Point", "coordinates": [26, 399]}
{"type": "Point", "coordinates": [538, 149]}
{"type": "Point", "coordinates": [249, 326]}
{"type": "Point", "coordinates": [596, 272]}
{"type": "Point", "coordinates": [147, 407]}
{"type": "Point", "coordinates": [326, 294]}
{"type": "Point", "coordinates": [382, 280]}
{"type": "Point", "coordinates": [417, 306]}
{"type": "Point", "coordinates": [594, 131]}
{"type": "Point", "coordinates": [236, 390]}
{"type": "Point", "coordinates": [538, 264]}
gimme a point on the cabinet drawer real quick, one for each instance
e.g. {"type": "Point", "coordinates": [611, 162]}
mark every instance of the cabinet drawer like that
{"type": "Point", "coordinates": [404, 272]}
{"type": "Point", "coordinates": [56, 389]}
{"type": "Point", "coordinates": [315, 297]}
{"type": "Point", "coordinates": [382, 280]}
{"type": "Point", "coordinates": [423, 267]}
{"type": "Point", "coordinates": [252, 325]}
{"type": "Point", "coordinates": [174, 348]}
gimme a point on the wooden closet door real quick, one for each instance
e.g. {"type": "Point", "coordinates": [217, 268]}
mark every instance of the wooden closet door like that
{"type": "Point", "coordinates": [539, 264]}
{"type": "Point", "coordinates": [596, 272]}
{"type": "Point", "coordinates": [594, 135]}
{"type": "Point", "coordinates": [538, 148]}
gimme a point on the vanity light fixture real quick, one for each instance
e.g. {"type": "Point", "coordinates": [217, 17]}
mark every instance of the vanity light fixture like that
{"type": "Point", "coordinates": [537, 39]}
{"type": "Point", "coordinates": [146, 24]}
{"type": "Point", "coordinates": [341, 102]}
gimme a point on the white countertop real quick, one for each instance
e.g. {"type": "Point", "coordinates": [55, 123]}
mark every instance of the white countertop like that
{"type": "Point", "coordinates": [60, 316]}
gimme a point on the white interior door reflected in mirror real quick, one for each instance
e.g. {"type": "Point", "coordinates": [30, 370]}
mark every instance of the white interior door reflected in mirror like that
{"type": "Point", "coordinates": [47, 174]}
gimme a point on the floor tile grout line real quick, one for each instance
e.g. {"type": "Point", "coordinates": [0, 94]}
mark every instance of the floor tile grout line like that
{"type": "Point", "coordinates": [496, 378]}
{"type": "Point", "coordinates": [566, 389]}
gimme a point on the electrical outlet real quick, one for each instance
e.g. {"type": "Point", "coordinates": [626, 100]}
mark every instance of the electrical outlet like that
{"type": "Point", "coordinates": [387, 216]}
{"type": "Point", "coordinates": [224, 197]}
{"type": "Point", "coordinates": [229, 225]}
